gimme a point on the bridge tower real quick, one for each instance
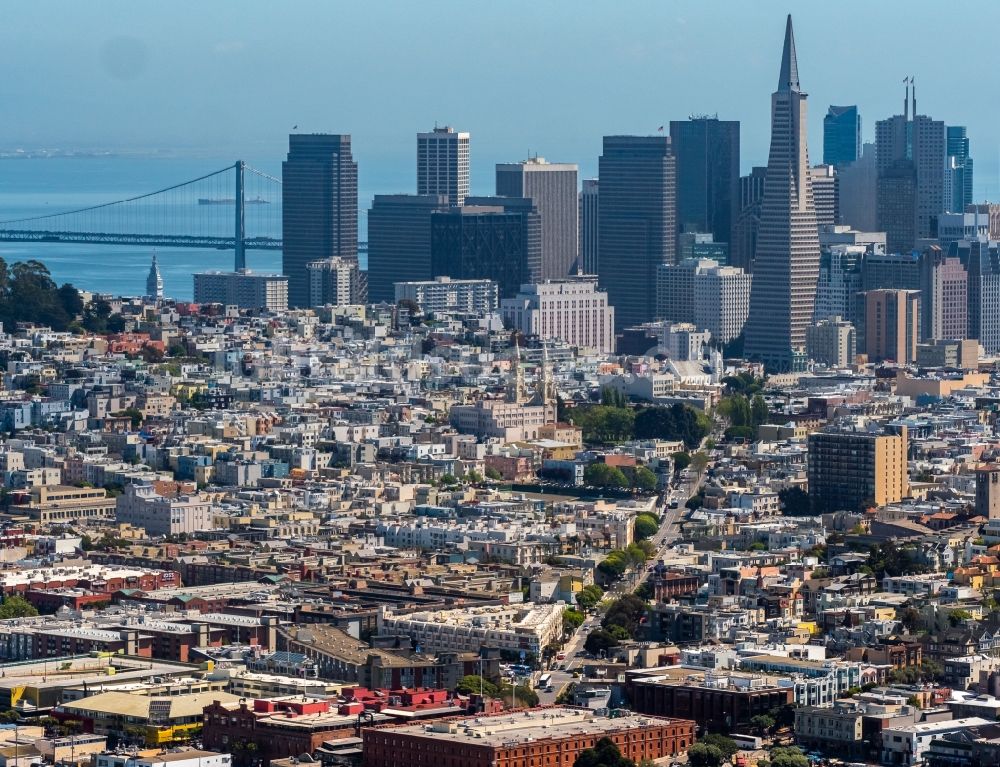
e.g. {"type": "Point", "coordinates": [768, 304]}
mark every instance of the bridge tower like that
{"type": "Point", "coordinates": [239, 238]}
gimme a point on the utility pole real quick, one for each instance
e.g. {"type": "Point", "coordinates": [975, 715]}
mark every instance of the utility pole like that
{"type": "Point", "coordinates": [240, 233]}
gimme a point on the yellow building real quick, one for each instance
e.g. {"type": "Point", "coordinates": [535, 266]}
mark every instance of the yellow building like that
{"type": "Point", "coordinates": [162, 719]}
{"type": "Point", "coordinates": [852, 466]}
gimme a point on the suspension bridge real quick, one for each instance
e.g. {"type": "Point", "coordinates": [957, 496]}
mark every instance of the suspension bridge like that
{"type": "Point", "coordinates": [234, 208]}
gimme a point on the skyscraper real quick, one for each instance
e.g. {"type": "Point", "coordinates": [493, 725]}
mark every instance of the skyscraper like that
{"type": "Point", "coordinates": [911, 157]}
{"type": "Point", "coordinates": [959, 168]}
{"type": "Point", "coordinates": [589, 202]}
{"type": "Point", "coordinates": [707, 152]}
{"type": "Point", "coordinates": [841, 135]}
{"type": "Point", "coordinates": [553, 188]}
{"type": "Point", "coordinates": [636, 223]}
{"type": "Point", "coordinates": [493, 238]}
{"type": "Point", "coordinates": [856, 185]}
{"type": "Point", "coordinates": [944, 302]}
{"type": "Point", "coordinates": [319, 207]}
{"type": "Point", "coordinates": [399, 241]}
{"type": "Point", "coordinates": [443, 164]}
{"type": "Point", "coordinates": [786, 266]}
{"type": "Point", "coordinates": [826, 194]}
{"type": "Point", "coordinates": [744, 244]}
{"type": "Point", "coordinates": [892, 325]}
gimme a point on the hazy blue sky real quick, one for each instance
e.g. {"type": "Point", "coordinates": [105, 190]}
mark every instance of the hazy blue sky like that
{"type": "Point", "coordinates": [231, 77]}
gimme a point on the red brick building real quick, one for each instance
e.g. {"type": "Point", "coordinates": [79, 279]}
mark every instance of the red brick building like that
{"type": "Point", "coordinates": [541, 737]}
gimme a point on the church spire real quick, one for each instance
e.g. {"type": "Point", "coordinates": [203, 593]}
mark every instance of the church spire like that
{"type": "Point", "coordinates": [515, 383]}
{"type": "Point", "coordinates": [788, 79]}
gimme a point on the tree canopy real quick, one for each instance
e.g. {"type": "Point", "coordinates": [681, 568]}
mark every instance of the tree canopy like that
{"type": "Point", "coordinates": [16, 606]}
{"type": "Point", "coordinates": [604, 754]}
{"type": "Point", "coordinates": [28, 294]}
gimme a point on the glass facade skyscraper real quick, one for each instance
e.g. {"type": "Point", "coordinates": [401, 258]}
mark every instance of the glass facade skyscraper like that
{"type": "Point", "coordinates": [319, 207]}
{"type": "Point", "coordinates": [841, 135]}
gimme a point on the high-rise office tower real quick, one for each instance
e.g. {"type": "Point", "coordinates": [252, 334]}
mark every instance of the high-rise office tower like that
{"type": "Point", "coordinates": [636, 223]}
{"type": "Point", "coordinates": [493, 238]}
{"type": "Point", "coordinates": [841, 135]}
{"type": "Point", "coordinates": [892, 325]}
{"type": "Point", "coordinates": [744, 243]}
{"type": "Point", "coordinates": [982, 262]}
{"type": "Point", "coordinates": [912, 161]}
{"type": "Point", "coordinates": [553, 188]}
{"type": "Point", "coordinates": [943, 296]}
{"type": "Point", "coordinates": [786, 265]}
{"type": "Point", "coordinates": [722, 301]}
{"type": "Point", "coordinates": [589, 202]}
{"type": "Point", "coordinates": [337, 282]}
{"type": "Point", "coordinates": [826, 194]}
{"type": "Point", "coordinates": [832, 342]}
{"type": "Point", "coordinates": [443, 164]}
{"type": "Point", "coordinates": [959, 168]}
{"type": "Point", "coordinates": [839, 282]}
{"type": "Point", "coordinates": [399, 241]}
{"type": "Point", "coordinates": [856, 185]}
{"type": "Point", "coordinates": [707, 154]}
{"type": "Point", "coordinates": [319, 207]}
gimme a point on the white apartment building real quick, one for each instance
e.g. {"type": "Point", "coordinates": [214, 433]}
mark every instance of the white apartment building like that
{"type": "Point", "coordinates": [444, 294]}
{"type": "Point", "coordinates": [335, 282]}
{"type": "Point", "coordinates": [507, 627]}
{"type": "Point", "coordinates": [684, 341]}
{"type": "Point", "coordinates": [572, 310]}
{"type": "Point", "coordinates": [722, 301]}
{"type": "Point", "coordinates": [244, 289]}
{"type": "Point", "coordinates": [143, 507]}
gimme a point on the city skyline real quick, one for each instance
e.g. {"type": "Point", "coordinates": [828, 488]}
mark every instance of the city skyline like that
{"type": "Point", "coordinates": [647, 82]}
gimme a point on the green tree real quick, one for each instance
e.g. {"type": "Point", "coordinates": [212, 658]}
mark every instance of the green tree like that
{"type": "Point", "coordinates": [794, 502]}
{"type": "Point", "coordinates": [473, 683]}
{"type": "Point", "coordinates": [626, 612]}
{"type": "Point", "coordinates": [646, 526]}
{"type": "Point", "coordinates": [726, 745]}
{"type": "Point", "coordinates": [788, 757]}
{"type": "Point", "coordinates": [493, 474]}
{"type": "Point", "coordinates": [589, 596]}
{"type": "Point", "coordinates": [572, 619]}
{"type": "Point", "coordinates": [704, 755]}
{"type": "Point", "coordinates": [642, 479]}
{"type": "Point", "coordinates": [762, 723]}
{"type": "Point", "coordinates": [600, 639]}
{"type": "Point", "coordinates": [604, 754]}
{"type": "Point", "coordinates": [601, 475]}
{"type": "Point", "coordinates": [16, 606]}
{"type": "Point", "coordinates": [758, 410]}
{"type": "Point", "coordinates": [681, 460]}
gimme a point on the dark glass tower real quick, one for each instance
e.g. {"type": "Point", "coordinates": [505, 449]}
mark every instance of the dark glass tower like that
{"type": "Point", "coordinates": [707, 152]}
{"type": "Point", "coordinates": [319, 207]}
{"type": "Point", "coordinates": [786, 265]}
{"type": "Point", "coordinates": [636, 224]}
{"type": "Point", "coordinates": [489, 238]}
{"type": "Point", "coordinates": [841, 136]}
{"type": "Point", "coordinates": [960, 167]}
{"type": "Point", "coordinates": [399, 241]}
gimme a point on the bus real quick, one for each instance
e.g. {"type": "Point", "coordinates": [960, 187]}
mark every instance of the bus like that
{"type": "Point", "coordinates": [544, 682]}
{"type": "Point", "coordinates": [747, 742]}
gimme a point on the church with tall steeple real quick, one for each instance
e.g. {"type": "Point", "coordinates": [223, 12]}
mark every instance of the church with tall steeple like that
{"type": "Point", "coordinates": [515, 416]}
{"type": "Point", "coordinates": [786, 266]}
